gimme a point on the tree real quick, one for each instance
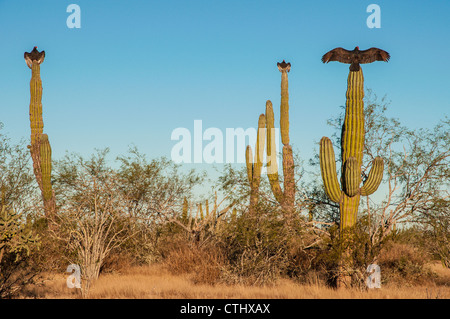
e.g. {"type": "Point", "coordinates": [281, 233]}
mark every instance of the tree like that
{"type": "Point", "coordinates": [436, 227]}
{"type": "Point", "coordinates": [16, 180]}
{"type": "Point", "coordinates": [153, 193]}
{"type": "Point", "coordinates": [92, 217]}
{"type": "Point", "coordinates": [417, 170]}
{"type": "Point", "coordinates": [156, 189]}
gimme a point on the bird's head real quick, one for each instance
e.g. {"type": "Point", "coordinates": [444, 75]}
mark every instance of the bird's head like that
{"type": "Point", "coordinates": [357, 48]}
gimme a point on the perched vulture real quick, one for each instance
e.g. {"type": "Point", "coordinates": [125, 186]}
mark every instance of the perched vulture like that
{"type": "Point", "coordinates": [284, 66]}
{"type": "Point", "coordinates": [34, 56]}
{"type": "Point", "coordinates": [356, 57]}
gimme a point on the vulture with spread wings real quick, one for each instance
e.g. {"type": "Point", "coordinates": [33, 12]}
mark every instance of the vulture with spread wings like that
{"type": "Point", "coordinates": [34, 57]}
{"type": "Point", "coordinates": [356, 57]}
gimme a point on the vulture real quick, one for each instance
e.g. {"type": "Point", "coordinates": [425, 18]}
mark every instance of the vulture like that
{"type": "Point", "coordinates": [34, 56]}
{"type": "Point", "coordinates": [284, 66]}
{"type": "Point", "coordinates": [356, 57]}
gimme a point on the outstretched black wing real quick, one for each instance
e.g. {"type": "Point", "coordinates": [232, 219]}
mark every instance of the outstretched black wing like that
{"type": "Point", "coordinates": [372, 55]}
{"type": "Point", "coordinates": [27, 58]}
{"type": "Point", "coordinates": [339, 54]}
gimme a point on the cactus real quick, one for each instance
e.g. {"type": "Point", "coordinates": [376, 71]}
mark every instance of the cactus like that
{"type": "Point", "coordinates": [352, 145]}
{"type": "Point", "coordinates": [46, 167]}
{"type": "Point", "coordinates": [36, 121]}
{"type": "Point", "coordinates": [40, 147]}
{"type": "Point", "coordinates": [254, 167]}
{"type": "Point", "coordinates": [286, 197]}
{"type": "Point", "coordinates": [233, 216]}
{"type": "Point", "coordinates": [200, 209]}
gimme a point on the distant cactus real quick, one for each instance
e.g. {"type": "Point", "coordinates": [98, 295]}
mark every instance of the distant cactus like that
{"type": "Point", "coordinates": [254, 166]}
{"type": "Point", "coordinates": [202, 225]}
{"type": "Point", "coordinates": [286, 197]}
{"type": "Point", "coordinates": [46, 167]}
{"type": "Point", "coordinates": [40, 147]}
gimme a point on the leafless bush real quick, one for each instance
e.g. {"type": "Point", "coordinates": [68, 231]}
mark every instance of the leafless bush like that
{"type": "Point", "coordinates": [93, 220]}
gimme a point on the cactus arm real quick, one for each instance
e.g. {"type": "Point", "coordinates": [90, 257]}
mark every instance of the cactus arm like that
{"type": "Point", "coordinates": [200, 208]}
{"type": "Point", "coordinates": [288, 172]}
{"type": "Point", "coordinates": [260, 140]}
{"type": "Point", "coordinates": [284, 108]}
{"type": "Point", "coordinates": [272, 166]}
{"type": "Point", "coordinates": [249, 162]}
{"type": "Point", "coordinates": [276, 188]}
{"type": "Point", "coordinates": [328, 170]}
{"type": "Point", "coordinates": [352, 177]}
{"type": "Point", "coordinates": [254, 169]}
{"type": "Point", "coordinates": [46, 167]}
{"type": "Point", "coordinates": [374, 179]}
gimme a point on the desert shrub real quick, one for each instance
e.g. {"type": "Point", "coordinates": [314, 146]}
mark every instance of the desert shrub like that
{"type": "Point", "coordinates": [265, 246]}
{"type": "Point", "coordinates": [203, 263]}
{"type": "Point", "coordinates": [17, 243]}
{"type": "Point", "coordinates": [435, 232]}
{"type": "Point", "coordinates": [404, 264]}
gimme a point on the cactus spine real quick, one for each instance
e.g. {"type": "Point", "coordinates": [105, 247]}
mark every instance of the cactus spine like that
{"type": "Point", "coordinates": [254, 167]}
{"type": "Point", "coordinates": [40, 146]}
{"type": "Point", "coordinates": [352, 145]}
{"type": "Point", "coordinates": [286, 197]}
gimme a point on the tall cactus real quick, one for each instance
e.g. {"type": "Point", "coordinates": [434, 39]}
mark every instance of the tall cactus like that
{"type": "Point", "coordinates": [352, 145]}
{"type": "Point", "coordinates": [254, 167]}
{"type": "Point", "coordinates": [286, 197]}
{"type": "Point", "coordinates": [347, 195]}
{"type": "Point", "coordinates": [40, 146]}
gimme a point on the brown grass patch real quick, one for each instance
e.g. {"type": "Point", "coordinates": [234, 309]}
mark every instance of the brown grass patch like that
{"type": "Point", "coordinates": [202, 264]}
{"type": "Point", "coordinates": [156, 282]}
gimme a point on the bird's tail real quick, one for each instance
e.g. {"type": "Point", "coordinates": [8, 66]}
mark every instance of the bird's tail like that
{"type": "Point", "coordinates": [354, 67]}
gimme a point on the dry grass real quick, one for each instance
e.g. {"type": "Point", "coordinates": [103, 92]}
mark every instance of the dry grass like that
{"type": "Point", "coordinates": [155, 282]}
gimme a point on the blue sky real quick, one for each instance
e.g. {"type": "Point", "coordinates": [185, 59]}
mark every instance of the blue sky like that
{"type": "Point", "coordinates": [136, 70]}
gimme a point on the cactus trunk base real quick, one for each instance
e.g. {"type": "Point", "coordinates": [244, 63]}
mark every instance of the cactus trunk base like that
{"type": "Point", "coordinates": [348, 207]}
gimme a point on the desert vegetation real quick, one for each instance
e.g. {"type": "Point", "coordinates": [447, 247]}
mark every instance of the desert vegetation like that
{"type": "Point", "coordinates": [138, 228]}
